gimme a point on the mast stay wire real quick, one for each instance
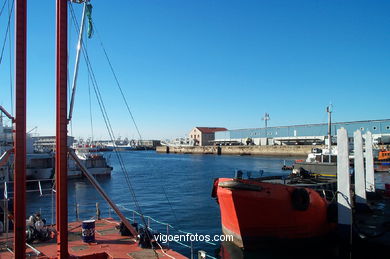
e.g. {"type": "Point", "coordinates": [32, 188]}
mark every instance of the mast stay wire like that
{"type": "Point", "coordinates": [128, 108]}
{"type": "Point", "coordinates": [69, 40]}
{"type": "Point", "coordinates": [116, 80]}
{"type": "Point", "coordinates": [2, 8]}
{"type": "Point", "coordinates": [90, 103]}
{"type": "Point", "coordinates": [108, 125]}
{"type": "Point", "coordinates": [6, 32]}
{"type": "Point", "coordinates": [10, 62]}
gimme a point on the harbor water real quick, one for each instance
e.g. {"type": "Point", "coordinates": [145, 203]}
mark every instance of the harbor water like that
{"type": "Point", "coordinates": [171, 188]}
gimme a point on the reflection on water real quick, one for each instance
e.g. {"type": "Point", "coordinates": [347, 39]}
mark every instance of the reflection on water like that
{"type": "Point", "coordinates": [172, 188]}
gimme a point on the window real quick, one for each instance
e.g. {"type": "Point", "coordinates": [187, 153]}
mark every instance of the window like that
{"type": "Point", "coordinates": [374, 128]}
{"type": "Point", "coordinates": [388, 127]}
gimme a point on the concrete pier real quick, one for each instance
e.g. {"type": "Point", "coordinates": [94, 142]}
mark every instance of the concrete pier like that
{"type": "Point", "coordinates": [293, 150]}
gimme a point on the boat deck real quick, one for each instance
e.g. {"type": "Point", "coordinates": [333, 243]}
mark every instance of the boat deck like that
{"type": "Point", "coordinates": [109, 245]}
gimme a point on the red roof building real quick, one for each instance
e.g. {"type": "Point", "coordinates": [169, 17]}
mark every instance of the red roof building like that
{"type": "Point", "coordinates": [203, 136]}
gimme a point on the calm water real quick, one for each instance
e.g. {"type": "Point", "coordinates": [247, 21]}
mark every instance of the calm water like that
{"type": "Point", "coordinates": [172, 188]}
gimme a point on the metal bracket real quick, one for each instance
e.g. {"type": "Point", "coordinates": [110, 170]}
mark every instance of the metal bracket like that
{"type": "Point", "coordinates": [2, 109]}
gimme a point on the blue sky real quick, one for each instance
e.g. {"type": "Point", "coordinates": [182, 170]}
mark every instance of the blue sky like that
{"type": "Point", "coordinates": [215, 63]}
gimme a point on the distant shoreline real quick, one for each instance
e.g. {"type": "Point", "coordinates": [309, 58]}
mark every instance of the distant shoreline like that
{"type": "Point", "coordinates": [280, 151]}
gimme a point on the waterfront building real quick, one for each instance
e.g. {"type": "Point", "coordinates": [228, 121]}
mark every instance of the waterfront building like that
{"type": "Point", "coordinates": [307, 134]}
{"type": "Point", "coordinates": [48, 143]}
{"type": "Point", "coordinates": [204, 136]}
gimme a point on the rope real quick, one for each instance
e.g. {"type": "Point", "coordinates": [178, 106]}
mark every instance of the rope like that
{"type": "Point", "coordinates": [108, 124]}
{"type": "Point", "coordinates": [162, 250]}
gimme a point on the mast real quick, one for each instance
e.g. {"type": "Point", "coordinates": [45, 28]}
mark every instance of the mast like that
{"type": "Point", "coordinates": [61, 162]}
{"type": "Point", "coordinates": [329, 111]}
{"type": "Point", "coordinates": [20, 130]}
{"type": "Point", "coordinates": [76, 65]}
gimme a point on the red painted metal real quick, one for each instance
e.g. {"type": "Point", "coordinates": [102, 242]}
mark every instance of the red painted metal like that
{"type": "Point", "coordinates": [20, 130]}
{"type": "Point", "coordinates": [61, 129]}
{"type": "Point", "coordinates": [268, 213]}
{"type": "Point", "coordinates": [110, 244]}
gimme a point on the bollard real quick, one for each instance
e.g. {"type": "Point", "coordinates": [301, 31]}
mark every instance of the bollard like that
{"type": "Point", "coordinates": [360, 184]}
{"type": "Point", "coordinates": [343, 185]}
{"type": "Point", "coordinates": [370, 179]}
{"type": "Point", "coordinates": [97, 211]}
{"type": "Point", "coordinates": [77, 212]}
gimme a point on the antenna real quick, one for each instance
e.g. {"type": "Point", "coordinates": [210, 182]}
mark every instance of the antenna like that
{"type": "Point", "coordinates": [329, 111]}
{"type": "Point", "coordinates": [266, 118]}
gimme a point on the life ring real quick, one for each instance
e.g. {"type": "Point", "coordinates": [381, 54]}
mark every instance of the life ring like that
{"type": "Point", "coordinates": [300, 199]}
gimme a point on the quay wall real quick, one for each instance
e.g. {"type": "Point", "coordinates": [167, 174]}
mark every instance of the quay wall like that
{"type": "Point", "coordinates": [296, 151]}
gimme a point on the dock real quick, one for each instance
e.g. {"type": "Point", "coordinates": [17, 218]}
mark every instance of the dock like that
{"type": "Point", "coordinates": [284, 151]}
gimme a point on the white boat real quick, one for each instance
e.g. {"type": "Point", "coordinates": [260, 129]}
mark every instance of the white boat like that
{"type": "Point", "coordinates": [122, 145]}
{"type": "Point", "coordinates": [179, 142]}
{"type": "Point", "coordinates": [40, 166]}
{"type": "Point", "coordinates": [95, 162]}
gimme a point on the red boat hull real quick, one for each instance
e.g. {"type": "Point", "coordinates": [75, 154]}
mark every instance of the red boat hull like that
{"type": "Point", "coordinates": [269, 213]}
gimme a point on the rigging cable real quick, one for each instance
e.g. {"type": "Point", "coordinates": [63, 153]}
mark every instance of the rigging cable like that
{"type": "Point", "coordinates": [108, 125]}
{"type": "Point", "coordinates": [10, 65]}
{"type": "Point", "coordinates": [69, 40]}
{"type": "Point", "coordinates": [116, 80]}
{"type": "Point", "coordinates": [2, 8]}
{"type": "Point", "coordinates": [128, 107]}
{"type": "Point", "coordinates": [90, 108]}
{"type": "Point", "coordinates": [90, 101]}
{"type": "Point", "coordinates": [6, 32]}
{"type": "Point", "coordinates": [170, 205]}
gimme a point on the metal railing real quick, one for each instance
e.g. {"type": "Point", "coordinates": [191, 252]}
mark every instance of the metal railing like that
{"type": "Point", "coordinates": [83, 211]}
{"type": "Point", "coordinates": [168, 229]}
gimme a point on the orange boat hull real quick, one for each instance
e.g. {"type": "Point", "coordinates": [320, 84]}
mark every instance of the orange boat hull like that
{"type": "Point", "coordinates": [268, 213]}
{"type": "Point", "coordinates": [384, 155]}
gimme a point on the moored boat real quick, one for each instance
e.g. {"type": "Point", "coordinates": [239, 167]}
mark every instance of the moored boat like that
{"type": "Point", "coordinates": [269, 208]}
{"type": "Point", "coordinates": [96, 163]}
{"type": "Point", "coordinates": [384, 156]}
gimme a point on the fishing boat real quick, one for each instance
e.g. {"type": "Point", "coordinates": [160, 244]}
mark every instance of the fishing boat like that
{"type": "Point", "coordinates": [323, 161]}
{"type": "Point", "coordinates": [95, 162]}
{"type": "Point", "coordinates": [274, 207]}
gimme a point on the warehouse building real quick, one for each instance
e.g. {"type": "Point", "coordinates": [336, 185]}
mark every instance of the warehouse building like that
{"type": "Point", "coordinates": [308, 134]}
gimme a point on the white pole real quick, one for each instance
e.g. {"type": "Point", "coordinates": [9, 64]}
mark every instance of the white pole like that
{"type": "Point", "coordinates": [360, 181]}
{"type": "Point", "coordinates": [76, 65]}
{"type": "Point", "coordinates": [343, 181]}
{"type": "Point", "coordinates": [370, 179]}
